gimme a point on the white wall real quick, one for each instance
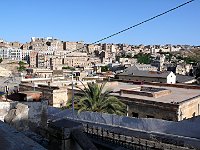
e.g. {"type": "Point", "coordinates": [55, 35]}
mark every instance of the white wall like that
{"type": "Point", "coordinates": [171, 78]}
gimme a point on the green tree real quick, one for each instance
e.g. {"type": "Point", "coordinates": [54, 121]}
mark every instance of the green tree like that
{"type": "Point", "coordinates": [1, 59]}
{"type": "Point", "coordinates": [21, 67]}
{"type": "Point", "coordinates": [94, 99]}
{"type": "Point", "coordinates": [143, 58]}
{"type": "Point", "coordinates": [192, 59]}
{"type": "Point", "coordinates": [104, 68]}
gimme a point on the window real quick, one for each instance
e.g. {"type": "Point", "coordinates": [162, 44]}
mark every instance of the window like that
{"type": "Point", "coordinates": [135, 115]}
{"type": "Point", "coordinates": [149, 116]}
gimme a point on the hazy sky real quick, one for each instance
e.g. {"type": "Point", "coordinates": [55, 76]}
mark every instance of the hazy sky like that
{"type": "Point", "coordinates": [91, 20]}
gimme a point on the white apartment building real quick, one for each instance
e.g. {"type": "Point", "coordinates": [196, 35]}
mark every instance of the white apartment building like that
{"type": "Point", "coordinates": [10, 53]}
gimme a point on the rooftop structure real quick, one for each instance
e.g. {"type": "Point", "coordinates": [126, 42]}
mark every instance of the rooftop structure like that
{"type": "Point", "coordinates": [147, 76]}
{"type": "Point", "coordinates": [162, 102]}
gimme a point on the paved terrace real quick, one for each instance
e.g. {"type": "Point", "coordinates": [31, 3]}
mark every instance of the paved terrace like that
{"type": "Point", "coordinates": [177, 95]}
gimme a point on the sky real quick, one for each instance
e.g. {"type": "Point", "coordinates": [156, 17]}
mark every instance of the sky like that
{"type": "Point", "coordinates": [91, 20]}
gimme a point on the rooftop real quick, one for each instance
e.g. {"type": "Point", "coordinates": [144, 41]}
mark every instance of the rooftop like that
{"type": "Point", "coordinates": [145, 73]}
{"type": "Point", "coordinates": [176, 95]}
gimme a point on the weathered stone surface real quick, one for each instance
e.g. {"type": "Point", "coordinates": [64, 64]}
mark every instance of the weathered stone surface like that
{"type": "Point", "coordinates": [9, 117]}
{"type": "Point", "coordinates": [18, 117]}
{"type": "Point", "coordinates": [24, 115]}
{"type": "Point", "coordinates": [21, 108]}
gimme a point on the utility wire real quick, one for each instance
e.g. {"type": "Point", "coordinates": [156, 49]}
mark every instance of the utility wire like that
{"type": "Point", "coordinates": [145, 21]}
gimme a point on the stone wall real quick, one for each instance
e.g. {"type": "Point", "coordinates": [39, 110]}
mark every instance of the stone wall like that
{"type": "Point", "coordinates": [189, 108]}
{"type": "Point", "coordinates": [24, 115]}
{"type": "Point", "coordinates": [150, 109]}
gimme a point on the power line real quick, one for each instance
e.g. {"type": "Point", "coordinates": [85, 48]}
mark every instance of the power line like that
{"type": "Point", "coordinates": [138, 24]}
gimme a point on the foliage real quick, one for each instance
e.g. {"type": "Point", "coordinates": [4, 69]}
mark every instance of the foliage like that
{"type": "Point", "coordinates": [192, 59]}
{"type": "Point", "coordinates": [143, 58]}
{"type": "Point", "coordinates": [94, 99]}
{"type": "Point", "coordinates": [104, 68]}
{"type": "Point", "coordinates": [70, 68]}
{"type": "Point", "coordinates": [21, 67]}
{"type": "Point", "coordinates": [1, 59]}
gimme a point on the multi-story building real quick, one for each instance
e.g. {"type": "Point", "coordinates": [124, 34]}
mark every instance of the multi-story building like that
{"type": "Point", "coordinates": [15, 44]}
{"type": "Point", "coordinates": [54, 45]}
{"type": "Point", "coordinates": [33, 59]}
{"type": "Point", "coordinates": [26, 55]}
{"type": "Point", "coordinates": [40, 60]}
{"type": "Point", "coordinates": [183, 69]}
{"type": "Point", "coordinates": [71, 46]}
{"type": "Point", "coordinates": [11, 53]}
{"type": "Point", "coordinates": [76, 59]}
{"type": "Point", "coordinates": [46, 44]}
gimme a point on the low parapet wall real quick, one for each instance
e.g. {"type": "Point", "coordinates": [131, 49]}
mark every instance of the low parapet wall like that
{"type": "Point", "coordinates": [184, 133]}
{"type": "Point", "coordinates": [186, 86]}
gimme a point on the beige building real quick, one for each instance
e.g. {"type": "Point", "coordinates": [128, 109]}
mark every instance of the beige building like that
{"type": "Point", "coordinates": [76, 59]}
{"type": "Point", "coordinates": [45, 44]}
{"type": "Point", "coordinates": [33, 59]}
{"type": "Point", "coordinates": [183, 69]}
{"type": "Point", "coordinates": [159, 101]}
{"type": "Point", "coordinates": [71, 46]}
{"type": "Point", "coordinates": [15, 44]}
{"type": "Point", "coordinates": [56, 96]}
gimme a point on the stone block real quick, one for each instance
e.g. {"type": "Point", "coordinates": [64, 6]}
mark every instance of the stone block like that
{"type": "Point", "coordinates": [18, 117]}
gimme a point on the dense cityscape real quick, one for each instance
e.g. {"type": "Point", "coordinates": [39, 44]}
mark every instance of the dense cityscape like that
{"type": "Point", "coordinates": [73, 95]}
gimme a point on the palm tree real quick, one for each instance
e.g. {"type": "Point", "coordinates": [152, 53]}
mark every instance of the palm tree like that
{"type": "Point", "coordinates": [96, 100]}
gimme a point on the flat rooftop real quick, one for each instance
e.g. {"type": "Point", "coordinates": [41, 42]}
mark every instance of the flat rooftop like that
{"type": "Point", "coordinates": [177, 95]}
